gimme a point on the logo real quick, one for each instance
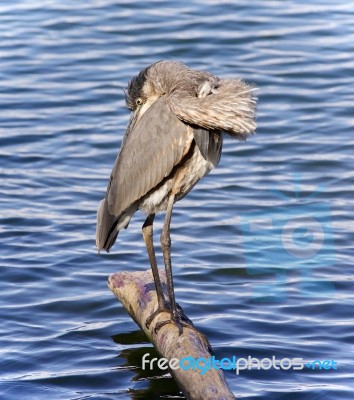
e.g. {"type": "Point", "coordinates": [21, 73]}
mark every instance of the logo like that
{"type": "Point", "coordinates": [290, 239]}
{"type": "Point", "coordinates": [203, 365]}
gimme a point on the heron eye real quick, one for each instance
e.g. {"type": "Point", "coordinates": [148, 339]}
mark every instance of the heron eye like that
{"type": "Point", "coordinates": [139, 102]}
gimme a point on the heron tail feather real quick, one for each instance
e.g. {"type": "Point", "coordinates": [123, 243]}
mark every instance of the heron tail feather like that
{"type": "Point", "coordinates": [106, 228]}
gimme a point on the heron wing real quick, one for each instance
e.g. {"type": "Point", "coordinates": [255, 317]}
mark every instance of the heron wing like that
{"type": "Point", "coordinates": [201, 137]}
{"type": "Point", "coordinates": [156, 143]}
{"type": "Point", "coordinates": [230, 107]}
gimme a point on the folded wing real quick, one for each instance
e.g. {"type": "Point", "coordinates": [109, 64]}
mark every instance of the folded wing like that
{"type": "Point", "coordinates": [151, 149]}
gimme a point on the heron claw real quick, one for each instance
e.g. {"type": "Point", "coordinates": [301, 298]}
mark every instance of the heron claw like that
{"type": "Point", "coordinates": [176, 321]}
{"type": "Point", "coordinates": [159, 310]}
{"type": "Point", "coordinates": [178, 318]}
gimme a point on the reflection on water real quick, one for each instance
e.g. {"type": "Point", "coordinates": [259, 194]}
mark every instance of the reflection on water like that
{"type": "Point", "coordinates": [63, 69]}
{"type": "Point", "coordinates": [146, 383]}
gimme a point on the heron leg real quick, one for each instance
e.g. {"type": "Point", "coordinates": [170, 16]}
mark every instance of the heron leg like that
{"type": "Point", "coordinates": [148, 239]}
{"type": "Point", "coordinates": [177, 315]}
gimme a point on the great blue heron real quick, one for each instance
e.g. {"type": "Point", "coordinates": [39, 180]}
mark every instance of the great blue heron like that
{"type": "Point", "coordinates": [173, 139]}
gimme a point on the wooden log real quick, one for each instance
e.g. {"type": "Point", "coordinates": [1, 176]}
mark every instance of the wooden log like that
{"type": "Point", "coordinates": [136, 291]}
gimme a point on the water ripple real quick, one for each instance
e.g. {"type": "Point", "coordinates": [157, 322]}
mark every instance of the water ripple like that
{"type": "Point", "coordinates": [63, 69]}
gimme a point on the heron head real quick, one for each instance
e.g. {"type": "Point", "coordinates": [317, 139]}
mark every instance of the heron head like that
{"type": "Point", "coordinates": [143, 90]}
{"type": "Point", "coordinates": [153, 82]}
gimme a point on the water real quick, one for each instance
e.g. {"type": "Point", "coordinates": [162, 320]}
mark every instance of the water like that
{"type": "Point", "coordinates": [63, 67]}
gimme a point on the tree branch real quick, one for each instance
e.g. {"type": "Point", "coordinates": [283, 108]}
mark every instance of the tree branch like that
{"type": "Point", "coordinates": [136, 291]}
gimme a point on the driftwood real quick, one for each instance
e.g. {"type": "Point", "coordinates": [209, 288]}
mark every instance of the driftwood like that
{"type": "Point", "coordinates": [136, 291]}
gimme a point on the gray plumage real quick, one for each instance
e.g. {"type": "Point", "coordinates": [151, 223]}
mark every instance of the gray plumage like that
{"type": "Point", "coordinates": [174, 138]}
{"type": "Point", "coordinates": [177, 94]}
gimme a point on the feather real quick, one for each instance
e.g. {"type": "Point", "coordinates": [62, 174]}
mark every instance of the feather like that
{"type": "Point", "coordinates": [231, 108]}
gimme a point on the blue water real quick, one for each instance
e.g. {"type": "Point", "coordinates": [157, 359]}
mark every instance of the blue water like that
{"type": "Point", "coordinates": [255, 288]}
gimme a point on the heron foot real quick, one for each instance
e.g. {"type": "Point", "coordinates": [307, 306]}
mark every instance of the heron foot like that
{"type": "Point", "coordinates": [178, 318]}
{"type": "Point", "coordinates": [180, 321]}
{"type": "Point", "coordinates": [160, 309]}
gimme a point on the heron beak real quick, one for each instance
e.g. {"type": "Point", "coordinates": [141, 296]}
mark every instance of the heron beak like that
{"type": "Point", "coordinates": [138, 113]}
{"type": "Point", "coordinates": [134, 118]}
